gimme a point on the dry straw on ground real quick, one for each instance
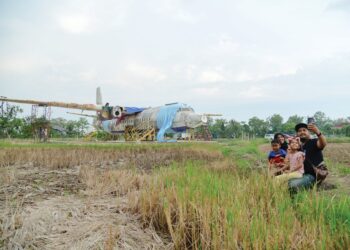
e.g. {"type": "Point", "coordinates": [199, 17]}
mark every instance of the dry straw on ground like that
{"type": "Point", "coordinates": [142, 158]}
{"type": "Point", "coordinates": [71, 223]}
{"type": "Point", "coordinates": [78, 198]}
{"type": "Point", "coordinates": [88, 198]}
{"type": "Point", "coordinates": [40, 214]}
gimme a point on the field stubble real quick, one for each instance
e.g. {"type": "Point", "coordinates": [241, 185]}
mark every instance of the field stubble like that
{"type": "Point", "coordinates": [238, 207]}
{"type": "Point", "coordinates": [61, 198]}
{"type": "Point", "coordinates": [159, 198]}
{"type": "Point", "coordinates": [142, 158]}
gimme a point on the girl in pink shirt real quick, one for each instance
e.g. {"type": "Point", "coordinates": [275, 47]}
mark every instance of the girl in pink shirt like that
{"type": "Point", "coordinates": [294, 167]}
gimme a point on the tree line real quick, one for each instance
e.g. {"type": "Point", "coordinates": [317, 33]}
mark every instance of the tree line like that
{"type": "Point", "coordinates": [11, 126]}
{"type": "Point", "coordinates": [256, 127]}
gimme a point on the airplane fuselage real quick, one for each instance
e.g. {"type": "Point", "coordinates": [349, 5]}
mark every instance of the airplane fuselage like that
{"type": "Point", "coordinates": [185, 118]}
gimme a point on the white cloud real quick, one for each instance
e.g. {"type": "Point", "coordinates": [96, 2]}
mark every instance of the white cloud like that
{"type": "Point", "coordinates": [262, 71]}
{"type": "Point", "coordinates": [176, 10]}
{"type": "Point", "coordinates": [190, 71]}
{"type": "Point", "coordinates": [207, 91]}
{"type": "Point", "coordinates": [210, 76]}
{"type": "Point", "coordinates": [243, 77]}
{"type": "Point", "coordinates": [76, 24]}
{"type": "Point", "coordinates": [185, 16]}
{"type": "Point", "coordinates": [253, 92]}
{"type": "Point", "coordinates": [145, 72]}
{"type": "Point", "coordinates": [88, 75]}
{"type": "Point", "coordinates": [21, 64]}
{"type": "Point", "coordinates": [136, 75]}
{"type": "Point", "coordinates": [340, 5]}
{"type": "Point", "coordinates": [88, 16]}
{"type": "Point", "coordinates": [225, 44]}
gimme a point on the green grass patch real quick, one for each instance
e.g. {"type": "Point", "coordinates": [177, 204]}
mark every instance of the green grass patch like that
{"type": "Point", "coordinates": [338, 139]}
{"type": "Point", "coordinates": [205, 207]}
{"type": "Point", "coordinates": [246, 154]}
{"type": "Point", "coordinates": [227, 210]}
{"type": "Point", "coordinates": [340, 168]}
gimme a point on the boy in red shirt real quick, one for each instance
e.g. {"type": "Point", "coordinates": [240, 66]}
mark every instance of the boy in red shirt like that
{"type": "Point", "coordinates": [276, 158]}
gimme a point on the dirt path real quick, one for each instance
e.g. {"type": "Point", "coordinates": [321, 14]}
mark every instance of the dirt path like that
{"type": "Point", "coordinates": [49, 209]}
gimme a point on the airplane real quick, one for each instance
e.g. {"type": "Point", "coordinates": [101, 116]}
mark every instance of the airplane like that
{"type": "Point", "coordinates": [136, 123]}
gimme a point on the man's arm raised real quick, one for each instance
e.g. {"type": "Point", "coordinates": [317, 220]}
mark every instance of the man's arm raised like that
{"type": "Point", "coordinates": [321, 142]}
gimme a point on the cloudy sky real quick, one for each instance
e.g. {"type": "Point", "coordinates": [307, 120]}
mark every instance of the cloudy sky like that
{"type": "Point", "coordinates": [239, 58]}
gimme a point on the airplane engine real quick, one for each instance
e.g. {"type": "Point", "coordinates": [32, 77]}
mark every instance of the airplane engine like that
{"type": "Point", "coordinates": [117, 111]}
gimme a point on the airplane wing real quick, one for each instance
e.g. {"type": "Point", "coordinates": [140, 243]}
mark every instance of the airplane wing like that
{"type": "Point", "coordinates": [86, 115]}
{"type": "Point", "coordinates": [91, 107]}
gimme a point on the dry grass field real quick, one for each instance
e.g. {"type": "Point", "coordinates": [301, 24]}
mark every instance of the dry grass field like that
{"type": "Point", "coordinates": [163, 196]}
{"type": "Point", "coordinates": [339, 152]}
{"type": "Point", "coordinates": [75, 197]}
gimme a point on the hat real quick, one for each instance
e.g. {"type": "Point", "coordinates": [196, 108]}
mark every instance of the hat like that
{"type": "Point", "coordinates": [300, 125]}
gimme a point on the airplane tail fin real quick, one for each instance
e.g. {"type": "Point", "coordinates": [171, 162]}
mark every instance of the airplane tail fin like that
{"type": "Point", "coordinates": [98, 96]}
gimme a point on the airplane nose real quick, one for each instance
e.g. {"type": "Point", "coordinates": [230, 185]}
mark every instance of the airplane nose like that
{"type": "Point", "coordinates": [195, 120]}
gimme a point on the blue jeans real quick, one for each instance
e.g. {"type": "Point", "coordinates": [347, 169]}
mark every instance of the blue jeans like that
{"type": "Point", "coordinates": [305, 182]}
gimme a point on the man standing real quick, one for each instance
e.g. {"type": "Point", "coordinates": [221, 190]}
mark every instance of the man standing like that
{"type": "Point", "coordinates": [313, 155]}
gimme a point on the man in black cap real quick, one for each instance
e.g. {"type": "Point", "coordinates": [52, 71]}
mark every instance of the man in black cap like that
{"type": "Point", "coordinates": [313, 155]}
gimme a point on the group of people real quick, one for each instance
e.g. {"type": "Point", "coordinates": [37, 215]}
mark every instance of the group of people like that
{"type": "Point", "coordinates": [293, 159]}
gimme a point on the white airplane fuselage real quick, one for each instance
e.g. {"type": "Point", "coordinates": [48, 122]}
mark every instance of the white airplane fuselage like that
{"type": "Point", "coordinates": [185, 118]}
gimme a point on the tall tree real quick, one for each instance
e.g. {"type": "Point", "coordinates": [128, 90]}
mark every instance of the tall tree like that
{"type": "Point", "coordinates": [82, 125]}
{"type": "Point", "coordinates": [245, 127]}
{"type": "Point", "coordinates": [69, 128]}
{"type": "Point", "coordinates": [233, 129]}
{"type": "Point", "coordinates": [258, 127]}
{"type": "Point", "coordinates": [218, 129]}
{"type": "Point", "coordinates": [347, 130]}
{"type": "Point", "coordinates": [295, 119]}
{"type": "Point", "coordinates": [275, 122]}
{"type": "Point", "coordinates": [323, 122]}
{"type": "Point", "coordinates": [10, 125]}
{"type": "Point", "coordinates": [289, 125]}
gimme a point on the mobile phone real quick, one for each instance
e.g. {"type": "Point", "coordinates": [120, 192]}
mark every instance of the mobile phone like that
{"type": "Point", "coordinates": [310, 120]}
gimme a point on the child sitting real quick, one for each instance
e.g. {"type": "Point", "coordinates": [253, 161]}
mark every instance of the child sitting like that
{"type": "Point", "coordinates": [294, 162]}
{"type": "Point", "coordinates": [276, 158]}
